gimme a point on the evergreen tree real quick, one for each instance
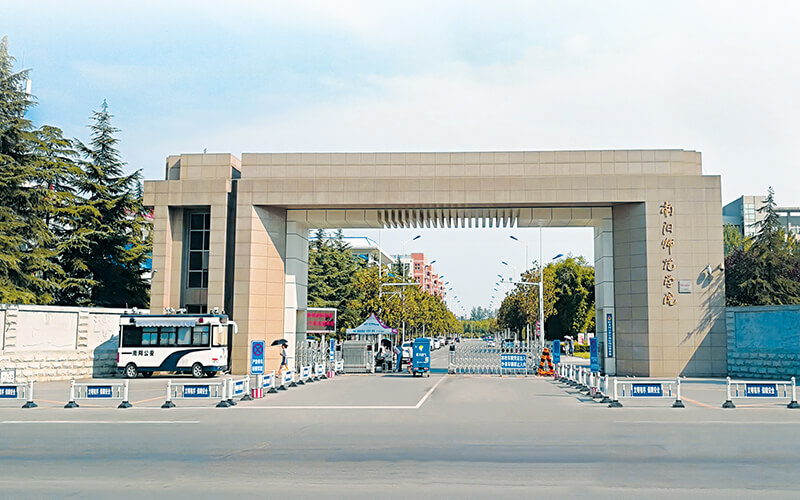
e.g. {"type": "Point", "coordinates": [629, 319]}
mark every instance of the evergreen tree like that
{"type": "Point", "coordinates": [112, 233]}
{"type": "Point", "coordinates": [34, 195]}
{"type": "Point", "coordinates": [768, 272]}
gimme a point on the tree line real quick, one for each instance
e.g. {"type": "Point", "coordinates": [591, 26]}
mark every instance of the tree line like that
{"type": "Point", "coordinates": [337, 278]}
{"type": "Point", "coordinates": [73, 230]}
{"type": "Point", "coordinates": [569, 305]}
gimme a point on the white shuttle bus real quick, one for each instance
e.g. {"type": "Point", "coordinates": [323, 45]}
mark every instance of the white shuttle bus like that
{"type": "Point", "coordinates": [179, 343]}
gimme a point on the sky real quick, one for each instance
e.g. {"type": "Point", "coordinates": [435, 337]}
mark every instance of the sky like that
{"type": "Point", "coordinates": [716, 77]}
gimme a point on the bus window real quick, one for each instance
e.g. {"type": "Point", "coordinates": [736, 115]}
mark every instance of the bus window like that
{"type": "Point", "coordinates": [184, 335]}
{"type": "Point", "coordinates": [200, 336]}
{"type": "Point", "coordinates": [131, 336]}
{"type": "Point", "coordinates": [220, 336]}
{"type": "Point", "coordinates": [166, 336]}
{"type": "Point", "coordinates": [150, 335]}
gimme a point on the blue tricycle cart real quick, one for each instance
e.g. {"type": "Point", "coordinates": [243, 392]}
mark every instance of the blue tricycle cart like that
{"type": "Point", "coordinates": [421, 361]}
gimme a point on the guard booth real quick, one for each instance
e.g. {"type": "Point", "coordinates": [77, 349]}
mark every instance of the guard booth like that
{"type": "Point", "coordinates": [362, 345]}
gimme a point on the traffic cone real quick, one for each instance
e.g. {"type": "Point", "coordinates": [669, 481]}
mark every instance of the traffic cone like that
{"type": "Point", "coordinates": [546, 363]}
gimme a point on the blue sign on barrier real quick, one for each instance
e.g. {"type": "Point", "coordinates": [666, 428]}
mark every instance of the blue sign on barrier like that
{"type": "Point", "coordinates": [257, 357]}
{"type": "Point", "coordinates": [513, 361]}
{"type": "Point", "coordinates": [333, 350]}
{"type": "Point", "coordinates": [9, 391]}
{"type": "Point", "coordinates": [761, 390]}
{"type": "Point", "coordinates": [196, 391]}
{"type": "Point", "coordinates": [609, 336]}
{"type": "Point", "coordinates": [556, 352]}
{"type": "Point", "coordinates": [98, 391]}
{"type": "Point", "coordinates": [646, 390]}
{"type": "Point", "coordinates": [238, 387]}
{"type": "Point", "coordinates": [594, 355]}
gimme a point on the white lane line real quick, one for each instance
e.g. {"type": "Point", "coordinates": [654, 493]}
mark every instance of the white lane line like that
{"type": "Point", "coordinates": [326, 408]}
{"type": "Point", "coordinates": [427, 394]}
{"type": "Point", "coordinates": [708, 422]}
{"type": "Point", "coordinates": [100, 422]}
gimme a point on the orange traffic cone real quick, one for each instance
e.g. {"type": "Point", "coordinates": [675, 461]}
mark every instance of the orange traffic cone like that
{"type": "Point", "coordinates": [546, 363]}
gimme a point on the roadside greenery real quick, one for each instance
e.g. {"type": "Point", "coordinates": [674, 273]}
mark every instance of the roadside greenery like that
{"type": "Point", "coordinates": [568, 299]}
{"type": "Point", "coordinates": [337, 278]}
{"type": "Point", "coordinates": [72, 225]}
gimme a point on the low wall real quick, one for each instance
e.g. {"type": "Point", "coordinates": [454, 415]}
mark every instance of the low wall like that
{"type": "Point", "coordinates": [763, 341]}
{"type": "Point", "coordinates": [58, 343]}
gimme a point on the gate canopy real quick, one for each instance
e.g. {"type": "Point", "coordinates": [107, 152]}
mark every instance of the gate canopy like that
{"type": "Point", "coordinates": [372, 326]}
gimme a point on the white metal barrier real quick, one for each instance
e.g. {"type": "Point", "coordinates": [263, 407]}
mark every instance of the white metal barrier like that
{"type": "Point", "coordinates": [304, 375]}
{"type": "Point", "coordinates": [319, 371]}
{"type": "Point", "coordinates": [238, 387]}
{"type": "Point", "coordinates": [743, 389]}
{"type": "Point", "coordinates": [266, 381]}
{"type": "Point", "coordinates": [287, 380]}
{"type": "Point", "coordinates": [646, 388]}
{"type": "Point", "coordinates": [339, 366]}
{"type": "Point", "coordinates": [194, 390]}
{"type": "Point", "coordinates": [19, 391]}
{"type": "Point", "coordinates": [109, 391]}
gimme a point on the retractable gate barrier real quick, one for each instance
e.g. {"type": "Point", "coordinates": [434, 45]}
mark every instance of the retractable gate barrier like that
{"type": "Point", "coordinates": [646, 388]}
{"type": "Point", "coordinates": [357, 357]}
{"type": "Point", "coordinates": [479, 358]}
{"type": "Point", "coordinates": [19, 391]}
{"type": "Point", "coordinates": [743, 389]}
{"type": "Point", "coordinates": [94, 392]}
{"type": "Point", "coordinates": [193, 390]}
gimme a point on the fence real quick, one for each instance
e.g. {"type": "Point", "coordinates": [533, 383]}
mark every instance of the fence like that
{"type": "Point", "coordinates": [592, 384]}
{"type": "Point", "coordinates": [19, 391]}
{"type": "Point", "coordinates": [743, 389]}
{"type": "Point", "coordinates": [193, 390]}
{"type": "Point", "coordinates": [646, 388]}
{"type": "Point", "coordinates": [470, 357]}
{"type": "Point", "coordinates": [112, 391]}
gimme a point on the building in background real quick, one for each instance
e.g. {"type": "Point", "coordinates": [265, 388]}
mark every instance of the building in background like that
{"type": "Point", "coordinates": [365, 248]}
{"type": "Point", "coordinates": [743, 212]}
{"type": "Point", "coordinates": [420, 270]}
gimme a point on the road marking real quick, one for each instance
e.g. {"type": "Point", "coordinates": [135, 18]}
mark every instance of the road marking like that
{"type": "Point", "coordinates": [427, 394]}
{"type": "Point", "coordinates": [698, 403]}
{"type": "Point", "coordinates": [708, 422]}
{"type": "Point", "coordinates": [146, 400]}
{"type": "Point", "coordinates": [100, 422]}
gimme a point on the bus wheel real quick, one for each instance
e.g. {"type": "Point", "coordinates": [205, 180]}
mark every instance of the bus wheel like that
{"type": "Point", "coordinates": [147, 374]}
{"type": "Point", "coordinates": [130, 370]}
{"type": "Point", "coordinates": [197, 370]}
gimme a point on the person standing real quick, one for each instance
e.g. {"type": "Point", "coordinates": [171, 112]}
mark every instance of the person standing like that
{"type": "Point", "coordinates": [399, 355]}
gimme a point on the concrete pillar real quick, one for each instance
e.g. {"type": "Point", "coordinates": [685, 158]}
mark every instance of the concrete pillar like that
{"type": "Point", "coordinates": [296, 288]}
{"type": "Point", "coordinates": [604, 291]}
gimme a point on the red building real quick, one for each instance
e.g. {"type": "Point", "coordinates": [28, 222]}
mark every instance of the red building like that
{"type": "Point", "coordinates": [424, 274]}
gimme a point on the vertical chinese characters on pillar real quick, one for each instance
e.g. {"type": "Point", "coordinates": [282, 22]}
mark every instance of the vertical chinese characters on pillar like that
{"type": "Point", "coordinates": [667, 245]}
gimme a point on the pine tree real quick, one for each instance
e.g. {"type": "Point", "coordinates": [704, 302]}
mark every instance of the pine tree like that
{"type": "Point", "coordinates": [34, 195]}
{"type": "Point", "coordinates": [113, 229]}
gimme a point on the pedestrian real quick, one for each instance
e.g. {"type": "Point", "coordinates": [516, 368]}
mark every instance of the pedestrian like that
{"type": "Point", "coordinates": [399, 355]}
{"type": "Point", "coordinates": [284, 364]}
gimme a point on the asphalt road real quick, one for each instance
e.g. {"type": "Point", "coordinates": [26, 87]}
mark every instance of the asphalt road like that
{"type": "Point", "coordinates": [394, 436]}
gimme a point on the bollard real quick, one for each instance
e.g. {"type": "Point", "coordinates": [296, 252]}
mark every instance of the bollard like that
{"type": "Point", "coordinates": [71, 403]}
{"type": "Point", "coordinates": [247, 396]}
{"type": "Point", "coordinates": [292, 383]}
{"type": "Point", "coordinates": [588, 381]}
{"type": "Point", "coordinates": [29, 403]}
{"type": "Point", "coordinates": [125, 403]}
{"type": "Point", "coordinates": [678, 403]}
{"type": "Point", "coordinates": [793, 404]}
{"type": "Point", "coordinates": [230, 400]}
{"type": "Point", "coordinates": [168, 403]}
{"type": "Point", "coordinates": [615, 402]}
{"type": "Point", "coordinates": [223, 389]}
{"type": "Point", "coordinates": [728, 402]}
{"type": "Point", "coordinates": [605, 399]}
